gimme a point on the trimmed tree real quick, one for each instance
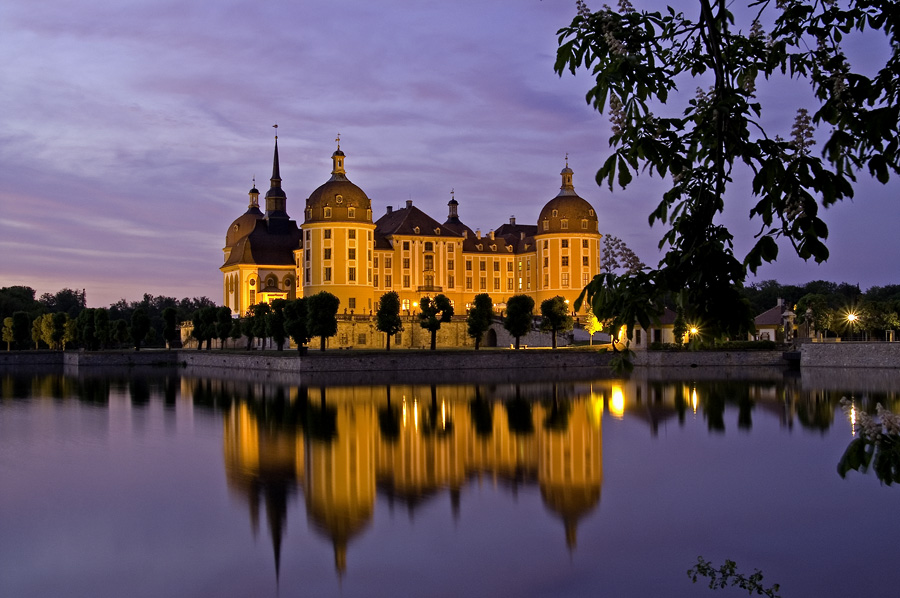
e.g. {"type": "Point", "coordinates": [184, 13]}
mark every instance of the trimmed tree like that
{"type": "Point", "coordinates": [555, 317]}
{"type": "Point", "coordinates": [259, 315]}
{"type": "Point", "coordinates": [8, 332]}
{"type": "Point", "coordinates": [321, 316]}
{"type": "Point", "coordinates": [275, 323]}
{"type": "Point", "coordinates": [519, 316]}
{"type": "Point", "coordinates": [480, 317]}
{"type": "Point", "coordinates": [433, 313]}
{"type": "Point", "coordinates": [21, 325]}
{"type": "Point", "coordinates": [224, 324]}
{"type": "Point", "coordinates": [140, 326]}
{"type": "Point", "coordinates": [295, 323]}
{"type": "Point", "coordinates": [170, 321]}
{"type": "Point", "coordinates": [387, 317]}
{"type": "Point", "coordinates": [102, 329]}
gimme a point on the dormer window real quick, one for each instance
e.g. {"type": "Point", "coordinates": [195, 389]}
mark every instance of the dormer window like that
{"type": "Point", "coordinates": [416, 230]}
{"type": "Point", "coordinates": [493, 248]}
{"type": "Point", "coordinates": [437, 231]}
{"type": "Point", "coordinates": [480, 247]}
{"type": "Point", "coordinates": [564, 224]}
{"type": "Point", "coordinates": [339, 199]}
{"type": "Point", "coordinates": [555, 213]}
{"type": "Point", "coordinates": [546, 225]}
{"type": "Point", "coordinates": [368, 214]}
{"type": "Point", "coordinates": [509, 248]}
{"type": "Point", "coordinates": [327, 212]}
{"type": "Point", "coordinates": [584, 224]}
{"type": "Point", "coordinates": [351, 212]}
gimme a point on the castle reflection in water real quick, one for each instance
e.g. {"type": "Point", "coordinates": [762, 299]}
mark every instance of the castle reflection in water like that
{"type": "Point", "coordinates": [340, 448]}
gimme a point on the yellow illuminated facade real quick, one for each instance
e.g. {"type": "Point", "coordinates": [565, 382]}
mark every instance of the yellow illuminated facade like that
{"type": "Point", "coordinates": [339, 248]}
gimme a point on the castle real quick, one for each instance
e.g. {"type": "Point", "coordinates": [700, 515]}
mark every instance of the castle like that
{"type": "Point", "coordinates": [339, 248]}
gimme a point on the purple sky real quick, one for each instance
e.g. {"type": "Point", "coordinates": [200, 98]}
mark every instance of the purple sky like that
{"type": "Point", "coordinates": [130, 131]}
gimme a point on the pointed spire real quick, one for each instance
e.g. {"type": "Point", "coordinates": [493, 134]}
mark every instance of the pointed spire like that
{"type": "Point", "coordinates": [276, 200]}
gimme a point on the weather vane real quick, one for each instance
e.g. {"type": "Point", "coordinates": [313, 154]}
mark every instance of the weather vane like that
{"type": "Point", "coordinates": [567, 159]}
{"type": "Point", "coordinates": [338, 140]}
{"type": "Point", "coordinates": [276, 130]}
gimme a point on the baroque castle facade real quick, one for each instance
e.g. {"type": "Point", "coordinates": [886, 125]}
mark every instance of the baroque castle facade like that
{"type": "Point", "coordinates": [339, 248]}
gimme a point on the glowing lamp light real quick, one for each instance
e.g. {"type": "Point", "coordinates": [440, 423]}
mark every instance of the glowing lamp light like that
{"type": "Point", "coordinates": [617, 402]}
{"type": "Point", "coordinates": [694, 330]}
{"type": "Point", "coordinates": [852, 317]}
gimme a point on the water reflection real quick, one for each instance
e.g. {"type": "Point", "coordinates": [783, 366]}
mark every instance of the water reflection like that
{"type": "Point", "coordinates": [339, 449]}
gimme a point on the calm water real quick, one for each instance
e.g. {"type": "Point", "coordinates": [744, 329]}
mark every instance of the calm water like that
{"type": "Point", "coordinates": [168, 484]}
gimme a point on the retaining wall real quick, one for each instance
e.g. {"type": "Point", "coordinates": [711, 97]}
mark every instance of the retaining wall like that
{"type": "Point", "coordinates": [850, 355]}
{"type": "Point", "coordinates": [708, 358]}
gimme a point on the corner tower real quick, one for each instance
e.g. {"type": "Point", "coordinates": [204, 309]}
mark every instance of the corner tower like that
{"type": "Point", "coordinates": [338, 241]}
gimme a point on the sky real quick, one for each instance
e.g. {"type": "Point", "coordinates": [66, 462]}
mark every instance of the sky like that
{"type": "Point", "coordinates": [131, 131]}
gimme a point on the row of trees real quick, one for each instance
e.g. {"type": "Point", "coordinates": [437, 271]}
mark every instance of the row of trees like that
{"type": "Point", "coordinates": [91, 330]}
{"type": "Point", "coordinates": [316, 316]}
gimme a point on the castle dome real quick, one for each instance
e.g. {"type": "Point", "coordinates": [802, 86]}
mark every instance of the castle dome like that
{"type": "Point", "coordinates": [567, 212]}
{"type": "Point", "coordinates": [243, 224]}
{"type": "Point", "coordinates": [338, 199]}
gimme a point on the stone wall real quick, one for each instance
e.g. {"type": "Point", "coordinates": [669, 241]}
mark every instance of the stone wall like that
{"type": "Point", "coordinates": [850, 355]}
{"type": "Point", "coordinates": [708, 358]}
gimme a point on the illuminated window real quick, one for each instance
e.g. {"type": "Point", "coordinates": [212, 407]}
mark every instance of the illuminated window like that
{"type": "Point", "coordinates": [584, 224]}
{"type": "Point", "coordinates": [404, 304]}
{"type": "Point", "coordinates": [564, 224]}
{"type": "Point", "coordinates": [351, 212]}
{"type": "Point", "coordinates": [584, 279]}
{"type": "Point", "coordinates": [565, 279]}
{"type": "Point", "coordinates": [546, 225]}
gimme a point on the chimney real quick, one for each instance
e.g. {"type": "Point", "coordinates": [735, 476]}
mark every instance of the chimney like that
{"type": "Point", "coordinates": [512, 220]}
{"type": "Point", "coordinates": [390, 209]}
{"type": "Point", "coordinates": [491, 235]}
{"type": "Point", "coordinates": [465, 234]}
{"type": "Point", "coordinates": [408, 203]}
{"type": "Point", "coordinates": [478, 233]}
{"type": "Point", "coordinates": [522, 235]}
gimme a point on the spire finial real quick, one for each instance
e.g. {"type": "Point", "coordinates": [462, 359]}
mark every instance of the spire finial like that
{"type": "Point", "coordinates": [451, 193]}
{"type": "Point", "coordinates": [567, 158]}
{"type": "Point", "coordinates": [338, 141]}
{"type": "Point", "coordinates": [275, 126]}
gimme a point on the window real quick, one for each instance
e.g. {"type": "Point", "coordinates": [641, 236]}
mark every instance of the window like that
{"type": "Point", "coordinates": [565, 260]}
{"type": "Point", "coordinates": [450, 264]}
{"type": "Point", "coordinates": [657, 336]}
{"type": "Point", "coordinates": [429, 262]}
{"type": "Point", "coordinates": [387, 263]}
{"type": "Point", "coordinates": [546, 261]}
{"type": "Point", "coordinates": [509, 266]}
{"type": "Point", "coordinates": [468, 283]}
{"type": "Point", "coordinates": [406, 281]}
{"type": "Point", "coordinates": [450, 282]}
{"type": "Point", "coordinates": [565, 279]}
{"type": "Point", "coordinates": [361, 339]}
{"type": "Point", "coordinates": [351, 254]}
{"type": "Point", "coordinates": [546, 224]}
{"type": "Point", "coordinates": [584, 243]}
{"type": "Point", "coordinates": [482, 283]}
{"type": "Point", "coordinates": [252, 297]}
{"type": "Point", "coordinates": [406, 263]}
{"type": "Point", "coordinates": [584, 279]}
{"type": "Point", "coordinates": [565, 243]}
{"type": "Point", "coordinates": [509, 284]}
{"type": "Point", "coordinates": [351, 212]}
{"type": "Point", "coordinates": [351, 234]}
{"type": "Point", "coordinates": [307, 276]}
{"type": "Point", "coordinates": [496, 284]}
{"type": "Point", "coordinates": [555, 213]}
{"type": "Point", "coordinates": [429, 246]}
{"type": "Point", "coordinates": [637, 336]}
{"type": "Point", "coordinates": [469, 265]}
{"type": "Point", "coordinates": [404, 304]}
{"type": "Point", "coordinates": [584, 260]}
{"type": "Point", "coordinates": [369, 275]}
{"type": "Point", "coordinates": [376, 280]}
{"type": "Point", "coordinates": [482, 266]}
{"type": "Point", "coordinates": [451, 246]}
{"type": "Point", "coordinates": [406, 245]}
{"type": "Point", "coordinates": [351, 274]}
{"type": "Point", "coordinates": [546, 280]}
{"type": "Point", "coordinates": [327, 255]}
{"type": "Point", "coordinates": [328, 212]}
{"type": "Point", "coordinates": [584, 224]}
{"type": "Point", "coordinates": [327, 274]}
{"type": "Point", "coordinates": [351, 303]}
{"type": "Point", "coordinates": [369, 254]}
{"type": "Point", "coordinates": [388, 279]}
{"type": "Point", "coordinates": [327, 233]}
{"type": "Point", "coordinates": [564, 224]}
{"type": "Point", "coordinates": [376, 262]}
{"type": "Point", "coordinates": [496, 266]}
{"type": "Point", "coordinates": [307, 255]}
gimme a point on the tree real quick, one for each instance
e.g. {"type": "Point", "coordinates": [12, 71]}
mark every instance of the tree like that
{"type": "Point", "coordinates": [616, 254]}
{"type": "Point", "coordinates": [321, 315]}
{"type": "Point", "coordinates": [555, 316]}
{"type": "Point", "coordinates": [275, 323]}
{"type": "Point", "coordinates": [68, 301]}
{"type": "Point", "coordinates": [140, 326]}
{"type": "Point", "coordinates": [37, 333]}
{"type": "Point", "coordinates": [638, 58]}
{"type": "Point", "coordinates": [18, 298]}
{"type": "Point", "coordinates": [519, 316]}
{"type": "Point", "coordinates": [433, 312]}
{"type": "Point", "coordinates": [258, 321]}
{"type": "Point", "coordinates": [480, 317]}
{"type": "Point", "coordinates": [85, 329]}
{"type": "Point", "coordinates": [170, 325]}
{"type": "Point", "coordinates": [295, 323]}
{"type": "Point", "coordinates": [813, 310]}
{"type": "Point", "coordinates": [237, 331]}
{"type": "Point", "coordinates": [591, 324]}
{"type": "Point", "coordinates": [20, 326]}
{"type": "Point", "coordinates": [8, 332]}
{"type": "Point", "coordinates": [387, 318]}
{"type": "Point", "coordinates": [121, 334]}
{"type": "Point", "coordinates": [224, 323]}
{"type": "Point", "coordinates": [102, 329]}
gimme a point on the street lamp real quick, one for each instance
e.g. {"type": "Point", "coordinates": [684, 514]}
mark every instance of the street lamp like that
{"type": "Point", "coordinates": [851, 319]}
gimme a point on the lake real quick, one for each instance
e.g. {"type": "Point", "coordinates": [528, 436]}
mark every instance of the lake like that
{"type": "Point", "coordinates": [177, 483]}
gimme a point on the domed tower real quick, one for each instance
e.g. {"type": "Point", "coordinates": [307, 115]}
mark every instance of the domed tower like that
{"type": "Point", "coordinates": [567, 244]}
{"type": "Point", "coordinates": [259, 250]}
{"type": "Point", "coordinates": [338, 241]}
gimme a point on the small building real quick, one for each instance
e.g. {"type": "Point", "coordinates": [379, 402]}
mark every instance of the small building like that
{"type": "Point", "coordinates": [776, 324]}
